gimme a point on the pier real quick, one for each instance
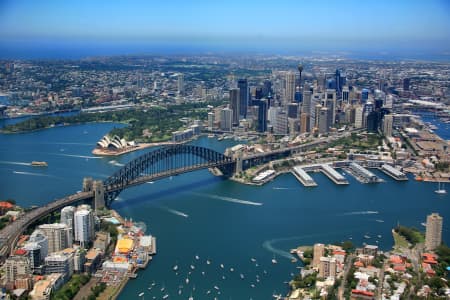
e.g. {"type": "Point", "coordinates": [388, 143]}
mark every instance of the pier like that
{"type": "Point", "coordinates": [362, 174]}
{"type": "Point", "coordinates": [333, 174]}
{"type": "Point", "coordinates": [393, 172]}
{"type": "Point", "coordinates": [303, 177]}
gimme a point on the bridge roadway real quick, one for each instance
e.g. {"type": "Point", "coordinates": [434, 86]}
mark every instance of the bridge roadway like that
{"type": "Point", "coordinates": [11, 233]}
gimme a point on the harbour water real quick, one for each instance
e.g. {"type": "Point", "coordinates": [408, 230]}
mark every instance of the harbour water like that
{"type": "Point", "coordinates": [218, 220]}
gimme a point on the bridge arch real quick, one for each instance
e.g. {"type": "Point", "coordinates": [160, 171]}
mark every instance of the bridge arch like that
{"type": "Point", "coordinates": [165, 162]}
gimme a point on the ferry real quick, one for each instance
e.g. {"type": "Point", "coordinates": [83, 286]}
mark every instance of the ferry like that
{"type": "Point", "coordinates": [39, 164]}
{"type": "Point", "coordinates": [440, 190]}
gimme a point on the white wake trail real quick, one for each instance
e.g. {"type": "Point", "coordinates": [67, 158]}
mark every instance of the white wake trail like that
{"type": "Point", "coordinates": [31, 174]}
{"type": "Point", "coordinates": [366, 212]}
{"type": "Point", "coordinates": [18, 163]}
{"type": "Point", "coordinates": [229, 199]}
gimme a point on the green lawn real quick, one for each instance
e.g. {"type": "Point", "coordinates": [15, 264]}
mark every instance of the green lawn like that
{"type": "Point", "coordinates": [400, 241]}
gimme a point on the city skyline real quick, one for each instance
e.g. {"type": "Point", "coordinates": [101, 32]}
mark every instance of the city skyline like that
{"type": "Point", "coordinates": [288, 26]}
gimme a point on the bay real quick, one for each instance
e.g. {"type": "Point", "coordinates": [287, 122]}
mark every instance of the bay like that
{"type": "Point", "coordinates": [218, 220]}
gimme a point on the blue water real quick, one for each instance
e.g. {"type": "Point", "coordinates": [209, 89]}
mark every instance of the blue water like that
{"type": "Point", "coordinates": [226, 222]}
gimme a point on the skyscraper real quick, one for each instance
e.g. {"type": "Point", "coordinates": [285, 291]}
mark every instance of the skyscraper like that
{"type": "Point", "coordinates": [324, 120]}
{"type": "Point", "coordinates": [211, 120]}
{"type": "Point", "coordinates": [433, 233]}
{"type": "Point", "coordinates": [327, 267]}
{"type": "Point", "coordinates": [180, 84]}
{"type": "Point", "coordinates": [289, 95]}
{"type": "Point", "coordinates": [243, 97]}
{"type": "Point", "coordinates": [318, 252]}
{"type": "Point", "coordinates": [226, 119]}
{"type": "Point", "coordinates": [304, 122]}
{"type": "Point", "coordinates": [83, 226]}
{"type": "Point", "coordinates": [235, 105]}
{"type": "Point", "coordinates": [388, 121]}
{"type": "Point", "coordinates": [262, 116]}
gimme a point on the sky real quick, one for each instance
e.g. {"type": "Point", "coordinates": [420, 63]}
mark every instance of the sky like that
{"type": "Point", "coordinates": [315, 25]}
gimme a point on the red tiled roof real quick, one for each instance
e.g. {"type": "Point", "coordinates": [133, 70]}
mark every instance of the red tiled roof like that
{"type": "Point", "coordinates": [365, 293]}
{"type": "Point", "coordinates": [5, 204]}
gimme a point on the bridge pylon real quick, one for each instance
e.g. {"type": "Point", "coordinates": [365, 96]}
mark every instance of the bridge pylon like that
{"type": "Point", "coordinates": [96, 186]}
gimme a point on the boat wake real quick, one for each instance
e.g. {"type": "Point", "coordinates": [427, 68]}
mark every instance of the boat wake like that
{"type": "Point", "coordinates": [283, 188]}
{"type": "Point", "coordinates": [116, 163]}
{"type": "Point", "coordinates": [17, 163]}
{"type": "Point", "coordinates": [32, 174]}
{"type": "Point", "coordinates": [229, 199]}
{"type": "Point", "coordinates": [367, 212]}
{"type": "Point", "coordinates": [268, 245]}
{"type": "Point", "coordinates": [78, 156]}
{"type": "Point", "coordinates": [379, 221]}
{"type": "Point", "coordinates": [175, 212]}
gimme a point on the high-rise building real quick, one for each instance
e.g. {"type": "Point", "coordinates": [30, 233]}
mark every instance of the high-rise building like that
{"type": "Point", "coordinates": [243, 97]}
{"type": "Point", "coordinates": [331, 103]}
{"type": "Point", "coordinates": [34, 254]}
{"type": "Point", "coordinates": [306, 103]}
{"type": "Point", "coordinates": [16, 266]}
{"type": "Point", "coordinates": [292, 110]}
{"type": "Point", "coordinates": [235, 105]}
{"type": "Point", "coordinates": [318, 252]}
{"type": "Point", "coordinates": [364, 95]}
{"type": "Point", "coordinates": [433, 233]}
{"type": "Point", "coordinates": [226, 119]}
{"type": "Point", "coordinates": [67, 214]}
{"type": "Point", "coordinates": [327, 267]}
{"type": "Point", "coordinates": [84, 226]}
{"type": "Point", "coordinates": [324, 120]}
{"type": "Point", "coordinates": [388, 121]}
{"type": "Point", "coordinates": [345, 94]}
{"type": "Point", "coordinates": [59, 236]}
{"type": "Point", "coordinates": [262, 116]}
{"type": "Point", "coordinates": [211, 120]}
{"type": "Point", "coordinates": [406, 83]}
{"type": "Point", "coordinates": [180, 84]}
{"type": "Point", "coordinates": [304, 122]}
{"type": "Point", "coordinates": [281, 124]}
{"type": "Point", "coordinates": [289, 95]}
{"type": "Point", "coordinates": [359, 116]}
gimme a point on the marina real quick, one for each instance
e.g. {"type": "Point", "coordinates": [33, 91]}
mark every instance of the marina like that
{"type": "Point", "coordinates": [303, 177]}
{"type": "Point", "coordinates": [393, 172]}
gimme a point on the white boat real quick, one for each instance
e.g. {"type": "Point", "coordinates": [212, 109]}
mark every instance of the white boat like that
{"type": "Point", "coordinates": [223, 277]}
{"type": "Point", "coordinates": [187, 280]}
{"type": "Point", "coordinates": [208, 292]}
{"type": "Point", "coordinates": [221, 265]}
{"type": "Point", "coordinates": [192, 267]}
{"type": "Point", "coordinates": [440, 190]}
{"type": "Point", "coordinates": [175, 268]}
{"type": "Point", "coordinates": [367, 236]}
{"type": "Point", "coordinates": [141, 294]}
{"type": "Point", "coordinates": [231, 270]}
{"type": "Point", "coordinates": [242, 276]}
{"type": "Point", "coordinates": [191, 298]}
{"type": "Point", "coordinates": [179, 292]}
{"type": "Point", "coordinates": [197, 257]}
{"type": "Point", "coordinates": [216, 287]}
{"type": "Point", "coordinates": [208, 262]}
{"type": "Point", "coordinates": [203, 273]}
{"type": "Point", "coordinates": [274, 261]}
{"type": "Point", "coordinates": [166, 296]}
{"type": "Point", "coordinates": [379, 236]}
{"type": "Point", "coordinates": [253, 259]}
{"type": "Point", "coordinates": [252, 285]}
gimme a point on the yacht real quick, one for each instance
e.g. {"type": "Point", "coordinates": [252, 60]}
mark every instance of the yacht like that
{"type": "Point", "coordinates": [175, 268]}
{"type": "Point", "coordinates": [440, 190]}
{"type": "Point", "coordinates": [274, 261]}
{"type": "Point", "coordinates": [221, 265]}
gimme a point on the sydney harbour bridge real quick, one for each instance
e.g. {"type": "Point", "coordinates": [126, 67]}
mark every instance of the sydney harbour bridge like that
{"type": "Point", "coordinates": [154, 165]}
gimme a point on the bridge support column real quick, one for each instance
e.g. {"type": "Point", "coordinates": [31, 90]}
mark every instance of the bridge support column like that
{"type": "Point", "coordinates": [239, 162]}
{"type": "Point", "coordinates": [87, 184]}
{"type": "Point", "coordinates": [99, 195]}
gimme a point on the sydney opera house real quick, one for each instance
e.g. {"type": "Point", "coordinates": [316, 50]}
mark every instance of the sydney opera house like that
{"type": "Point", "coordinates": [115, 143]}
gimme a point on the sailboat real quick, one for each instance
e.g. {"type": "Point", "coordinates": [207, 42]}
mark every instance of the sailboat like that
{"type": "Point", "coordinates": [440, 190]}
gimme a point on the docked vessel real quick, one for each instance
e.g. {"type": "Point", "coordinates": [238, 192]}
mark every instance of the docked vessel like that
{"type": "Point", "coordinates": [441, 190]}
{"type": "Point", "coordinates": [39, 164]}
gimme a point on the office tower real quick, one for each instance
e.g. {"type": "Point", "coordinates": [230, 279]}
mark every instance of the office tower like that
{"type": "Point", "coordinates": [258, 93]}
{"type": "Point", "coordinates": [67, 214]}
{"type": "Point", "coordinates": [340, 81]}
{"type": "Point", "coordinates": [304, 122]}
{"type": "Point", "coordinates": [331, 104]}
{"type": "Point", "coordinates": [433, 233]}
{"type": "Point", "coordinates": [406, 84]}
{"type": "Point", "coordinates": [324, 120]}
{"type": "Point", "coordinates": [281, 123]}
{"type": "Point", "coordinates": [372, 121]}
{"type": "Point", "coordinates": [235, 105]}
{"type": "Point", "coordinates": [293, 126]}
{"type": "Point", "coordinates": [272, 114]}
{"type": "Point", "coordinates": [364, 95]}
{"type": "Point", "coordinates": [226, 119]}
{"type": "Point", "coordinates": [211, 120]}
{"type": "Point", "coordinates": [388, 121]}
{"type": "Point", "coordinates": [39, 238]}
{"type": "Point", "coordinates": [289, 95]}
{"type": "Point", "coordinates": [318, 252]}
{"type": "Point", "coordinates": [16, 266]}
{"type": "Point", "coordinates": [359, 115]}
{"type": "Point", "coordinates": [306, 103]}
{"type": "Point", "coordinates": [262, 116]}
{"type": "Point", "coordinates": [243, 97]}
{"type": "Point", "coordinates": [180, 84]}
{"type": "Point", "coordinates": [267, 89]}
{"type": "Point", "coordinates": [327, 267]}
{"type": "Point", "coordinates": [292, 110]}
{"type": "Point", "coordinates": [345, 95]}
{"type": "Point", "coordinates": [59, 236]}
{"type": "Point", "coordinates": [84, 226]}
{"type": "Point", "coordinates": [317, 109]}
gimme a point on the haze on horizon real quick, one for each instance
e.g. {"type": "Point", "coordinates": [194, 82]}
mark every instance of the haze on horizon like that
{"type": "Point", "coordinates": [47, 28]}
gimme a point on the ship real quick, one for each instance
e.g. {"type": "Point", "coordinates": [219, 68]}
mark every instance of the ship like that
{"type": "Point", "coordinates": [39, 164]}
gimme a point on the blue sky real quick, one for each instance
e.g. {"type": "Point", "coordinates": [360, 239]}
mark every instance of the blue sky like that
{"type": "Point", "coordinates": [315, 24]}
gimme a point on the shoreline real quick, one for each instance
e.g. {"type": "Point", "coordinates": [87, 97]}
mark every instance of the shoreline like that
{"type": "Point", "coordinates": [140, 146]}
